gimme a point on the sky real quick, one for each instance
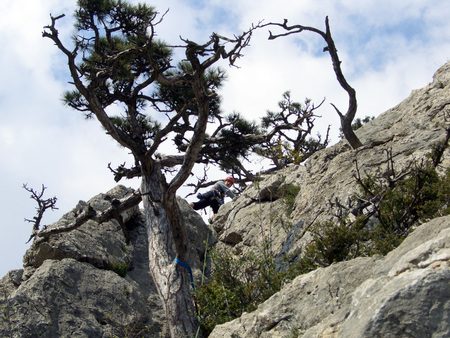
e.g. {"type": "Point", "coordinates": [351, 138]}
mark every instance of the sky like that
{"type": "Point", "coordinates": [387, 50]}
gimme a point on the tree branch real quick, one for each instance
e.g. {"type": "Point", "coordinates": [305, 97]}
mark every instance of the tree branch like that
{"type": "Point", "coordinates": [95, 105]}
{"type": "Point", "coordinates": [89, 213]}
{"type": "Point", "coordinates": [43, 205]}
{"type": "Point", "coordinates": [346, 120]}
{"type": "Point", "coordinates": [122, 172]}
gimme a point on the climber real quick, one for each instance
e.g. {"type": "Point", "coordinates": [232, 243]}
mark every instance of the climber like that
{"type": "Point", "coordinates": [214, 197]}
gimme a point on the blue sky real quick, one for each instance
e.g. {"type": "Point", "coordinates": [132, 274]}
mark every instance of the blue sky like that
{"type": "Point", "coordinates": [387, 50]}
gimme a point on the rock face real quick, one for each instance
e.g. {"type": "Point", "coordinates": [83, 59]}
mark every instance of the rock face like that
{"type": "Point", "coordinates": [405, 294]}
{"type": "Point", "coordinates": [95, 282]}
{"type": "Point", "coordinates": [408, 131]}
{"type": "Point", "coordinates": [72, 284]}
{"type": "Point", "coordinates": [101, 246]}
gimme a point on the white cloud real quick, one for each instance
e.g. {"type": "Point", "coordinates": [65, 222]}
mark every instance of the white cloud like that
{"type": "Point", "coordinates": [387, 49]}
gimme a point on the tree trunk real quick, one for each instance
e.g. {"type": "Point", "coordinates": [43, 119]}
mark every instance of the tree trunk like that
{"type": "Point", "coordinates": [171, 279]}
{"type": "Point", "coordinates": [349, 133]}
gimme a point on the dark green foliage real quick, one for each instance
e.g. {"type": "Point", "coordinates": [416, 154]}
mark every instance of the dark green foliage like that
{"type": "Point", "coordinates": [121, 268]}
{"type": "Point", "coordinates": [180, 96]}
{"type": "Point", "coordinates": [232, 147]}
{"type": "Point", "coordinates": [126, 67]}
{"type": "Point", "coordinates": [418, 196]}
{"type": "Point", "coordinates": [123, 65]}
{"type": "Point", "coordinates": [237, 285]}
{"type": "Point", "coordinates": [290, 140]}
{"type": "Point", "coordinates": [333, 243]}
{"type": "Point", "coordinates": [439, 147]}
{"type": "Point", "coordinates": [148, 127]}
{"type": "Point", "coordinates": [360, 122]}
{"type": "Point", "coordinates": [289, 193]}
{"type": "Point", "coordinates": [400, 202]}
{"type": "Point", "coordinates": [123, 53]}
{"type": "Point", "coordinates": [224, 296]}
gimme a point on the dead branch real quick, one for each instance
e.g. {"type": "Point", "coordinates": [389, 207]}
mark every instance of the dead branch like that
{"type": "Point", "coordinates": [43, 205]}
{"type": "Point", "coordinates": [89, 213]}
{"type": "Point", "coordinates": [122, 172]}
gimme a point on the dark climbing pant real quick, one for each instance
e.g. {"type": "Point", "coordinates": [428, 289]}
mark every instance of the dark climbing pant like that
{"type": "Point", "coordinates": [206, 202]}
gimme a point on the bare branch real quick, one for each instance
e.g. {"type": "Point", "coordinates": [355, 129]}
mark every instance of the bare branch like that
{"type": "Point", "coordinates": [122, 172]}
{"type": "Point", "coordinates": [95, 106]}
{"type": "Point", "coordinates": [89, 213]}
{"type": "Point", "coordinates": [43, 205]}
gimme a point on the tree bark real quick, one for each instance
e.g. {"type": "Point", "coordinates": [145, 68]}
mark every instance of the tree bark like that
{"type": "Point", "coordinates": [346, 120]}
{"type": "Point", "coordinates": [172, 280]}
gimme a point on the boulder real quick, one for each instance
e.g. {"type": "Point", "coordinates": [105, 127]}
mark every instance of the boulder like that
{"type": "Point", "coordinates": [68, 298]}
{"type": "Point", "coordinates": [102, 245]}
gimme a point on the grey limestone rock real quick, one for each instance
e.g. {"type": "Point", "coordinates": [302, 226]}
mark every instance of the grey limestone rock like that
{"type": "Point", "coordinates": [408, 131]}
{"type": "Point", "coordinates": [399, 295]}
{"type": "Point", "coordinates": [405, 294]}
{"type": "Point", "coordinates": [92, 281]}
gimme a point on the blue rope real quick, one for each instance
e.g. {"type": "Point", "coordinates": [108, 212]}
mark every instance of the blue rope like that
{"type": "Point", "coordinates": [186, 266]}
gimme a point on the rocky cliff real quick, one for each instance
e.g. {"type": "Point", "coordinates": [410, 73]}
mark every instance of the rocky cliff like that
{"type": "Point", "coordinates": [408, 131]}
{"type": "Point", "coordinates": [404, 294]}
{"type": "Point", "coordinates": [95, 282]}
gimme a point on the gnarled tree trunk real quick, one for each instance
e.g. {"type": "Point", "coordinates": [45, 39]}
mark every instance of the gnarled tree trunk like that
{"type": "Point", "coordinates": [172, 280]}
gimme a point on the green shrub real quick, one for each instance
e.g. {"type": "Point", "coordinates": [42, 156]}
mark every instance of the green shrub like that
{"type": "Point", "coordinates": [288, 196]}
{"type": "Point", "coordinates": [420, 195]}
{"type": "Point", "coordinates": [237, 285]}
{"type": "Point", "coordinates": [335, 242]}
{"type": "Point", "coordinates": [224, 297]}
{"type": "Point", "coordinates": [119, 267]}
{"type": "Point", "coordinates": [399, 204]}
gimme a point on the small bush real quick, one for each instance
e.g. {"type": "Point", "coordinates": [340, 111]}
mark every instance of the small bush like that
{"type": "Point", "coordinates": [418, 196]}
{"type": "Point", "coordinates": [288, 195]}
{"type": "Point", "coordinates": [237, 285]}
{"type": "Point", "coordinates": [119, 267]}
{"type": "Point", "coordinates": [335, 243]}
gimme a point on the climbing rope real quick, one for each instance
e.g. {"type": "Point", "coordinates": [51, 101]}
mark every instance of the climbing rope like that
{"type": "Point", "coordinates": [187, 267]}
